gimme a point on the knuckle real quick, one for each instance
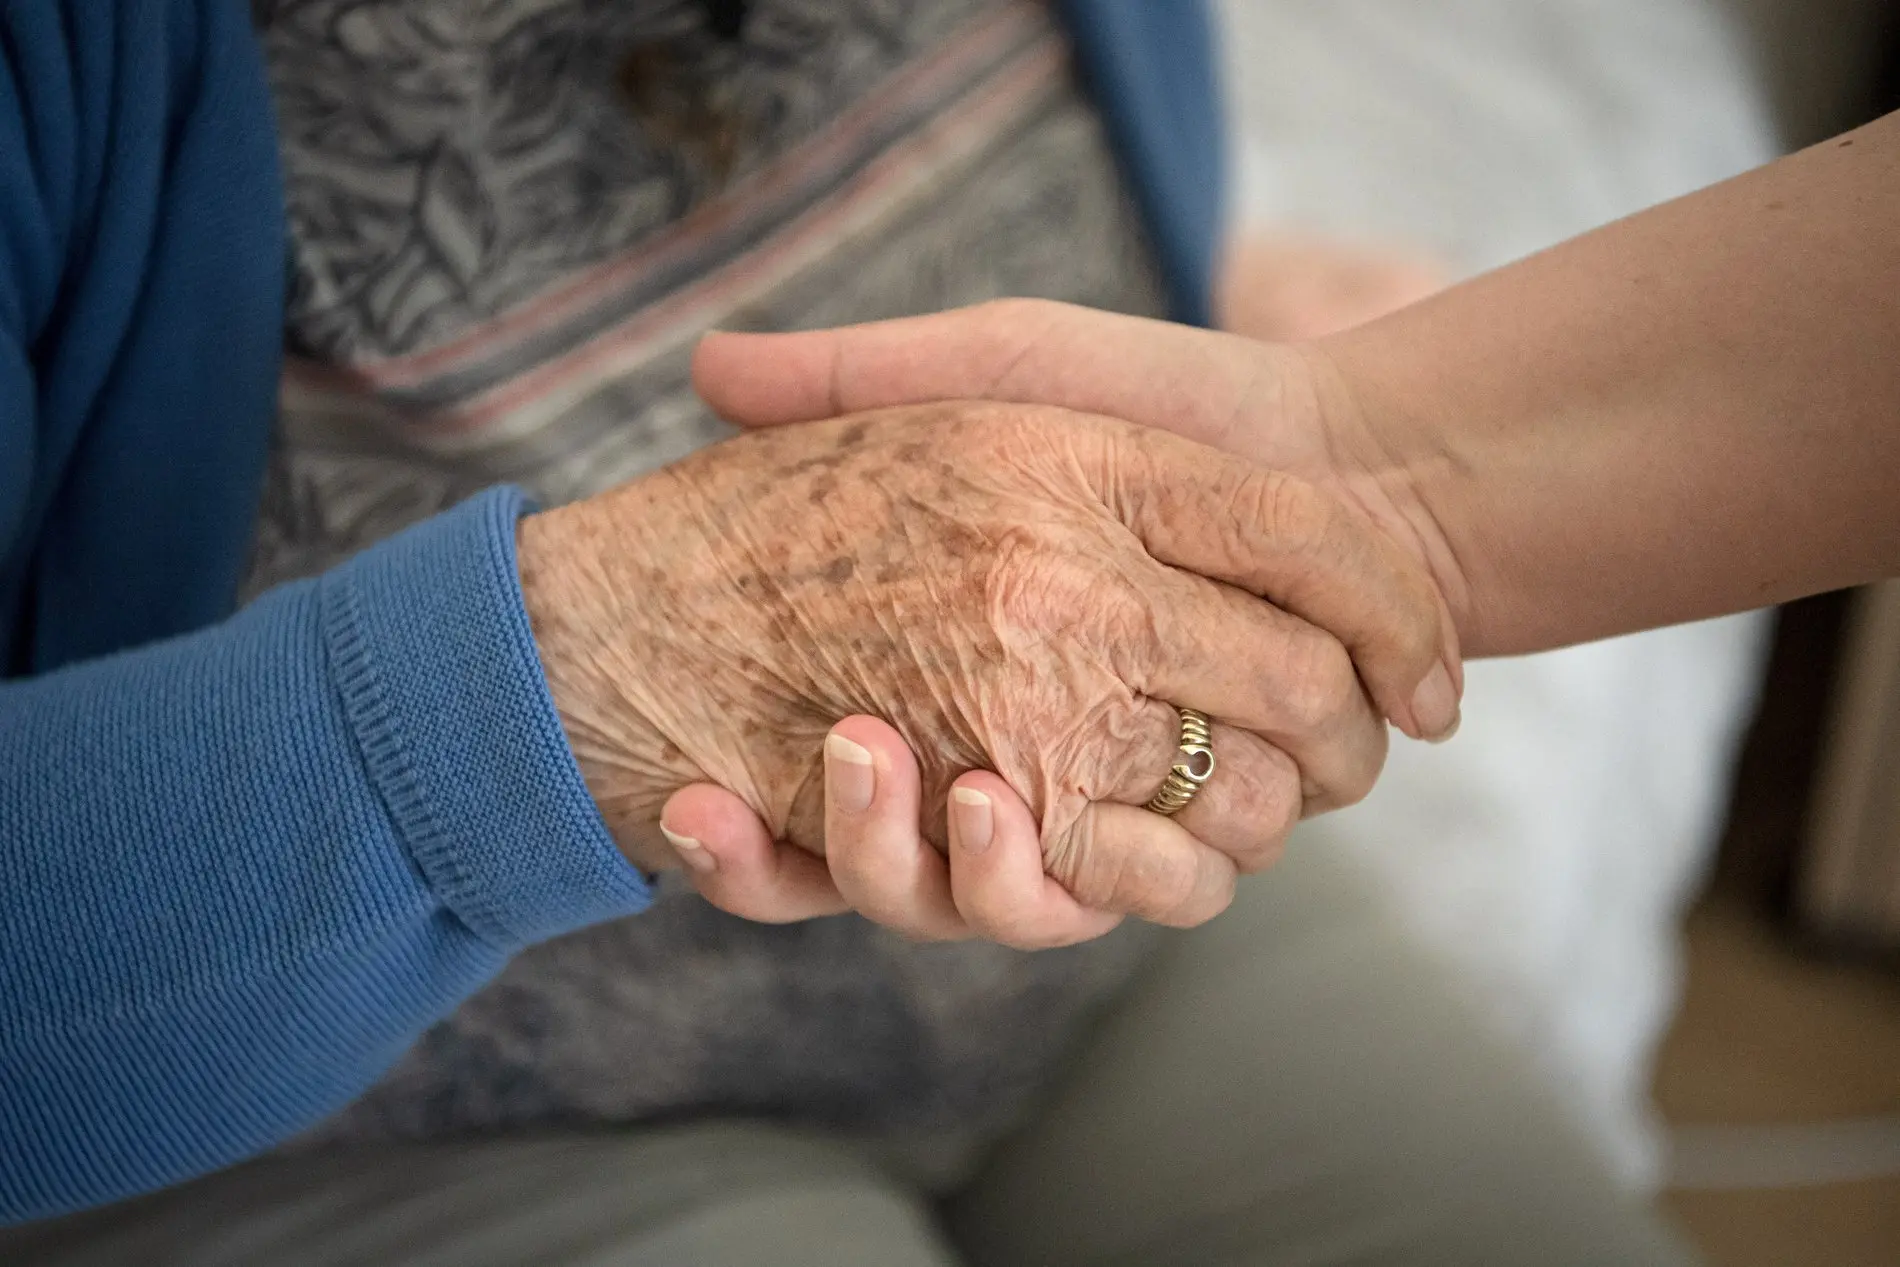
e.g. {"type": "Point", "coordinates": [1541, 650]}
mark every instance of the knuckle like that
{"type": "Point", "coordinates": [1132, 632]}
{"type": "Point", "coordinates": [851, 870]}
{"type": "Point", "coordinates": [1204, 909]}
{"type": "Point", "coordinates": [1353, 781]}
{"type": "Point", "coordinates": [1025, 582]}
{"type": "Point", "coordinates": [1261, 855]}
{"type": "Point", "coordinates": [1131, 766]}
{"type": "Point", "coordinates": [864, 879]}
{"type": "Point", "coordinates": [1160, 884]}
{"type": "Point", "coordinates": [1268, 843]}
{"type": "Point", "coordinates": [1276, 806]}
{"type": "Point", "coordinates": [1144, 879]}
{"type": "Point", "coordinates": [1360, 779]}
{"type": "Point", "coordinates": [1004, 918]}
{"type": "Point", "coordinates": [1287, 808]}
{"type": "Point", "coordinates": [1038, 585]}
{"type": "Point", "coordinates": [1073, 858]}
{"type": "Point", "coordinates": [1019, 931]}
{"type": "Point", "coordinates": [1318, 680]}
{"type": "Point", "coordinates": [1288, 510]}
{"type": "Point", "coordinates": [997, 908]}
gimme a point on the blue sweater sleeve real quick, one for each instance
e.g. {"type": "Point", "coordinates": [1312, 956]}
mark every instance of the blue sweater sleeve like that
{"type": "Point", "coordinates": [246, 867]}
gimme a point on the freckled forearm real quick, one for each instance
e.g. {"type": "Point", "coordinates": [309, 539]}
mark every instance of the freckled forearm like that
{"type": "Point", "coordinates": [1692, 411]}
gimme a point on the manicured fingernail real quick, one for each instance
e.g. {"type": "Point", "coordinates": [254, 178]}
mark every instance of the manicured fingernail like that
{"type": "Point", "coordinates": [974, 818]}
{"type": "Point", "coordinates": [1435, 705]}
{"type": "Point", "coordinates": [691, 852]}
{"type": "Point", "coordinates": [848, 771]}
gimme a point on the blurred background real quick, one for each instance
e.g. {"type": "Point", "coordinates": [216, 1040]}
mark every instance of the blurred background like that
{"type": "Point", "coordinates": [1674, 860]}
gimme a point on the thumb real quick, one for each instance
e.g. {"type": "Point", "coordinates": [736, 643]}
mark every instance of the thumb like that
{"type": "Point", "coordinates": [735, 864]}
{"type": "Point", "coordinates": [1020, 351]}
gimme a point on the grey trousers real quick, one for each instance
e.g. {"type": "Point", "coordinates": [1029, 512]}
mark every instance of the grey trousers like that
{"type": "Point", "coordinates": [1293, 1084]}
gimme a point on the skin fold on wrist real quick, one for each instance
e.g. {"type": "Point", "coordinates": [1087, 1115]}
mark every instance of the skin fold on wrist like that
{"type": "Point", "coordinates": [1395, 464]}
{"type": "Point", "coordinates": [628, 792]}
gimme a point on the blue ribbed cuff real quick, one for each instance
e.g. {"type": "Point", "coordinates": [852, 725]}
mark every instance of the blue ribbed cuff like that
{"type": "Point", "coordinates": [431, 651]}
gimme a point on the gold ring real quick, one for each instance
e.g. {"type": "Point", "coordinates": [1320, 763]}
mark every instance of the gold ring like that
{"type": "Point", "coordinates": [1191, 771]}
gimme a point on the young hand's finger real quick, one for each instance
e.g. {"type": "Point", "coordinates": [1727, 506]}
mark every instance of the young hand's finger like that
{"type": "Point", "coordinates": [997, 875]}
{"type": "Point", "coordinates": [1026, 351]}
{"type": "Point", "coordinates": [736, 865]}
{"type": "Point", "coordinates": [878, 857]}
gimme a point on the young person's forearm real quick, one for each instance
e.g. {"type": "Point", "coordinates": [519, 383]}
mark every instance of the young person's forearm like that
{"type": "Point", "coordinates": [1692, 411]}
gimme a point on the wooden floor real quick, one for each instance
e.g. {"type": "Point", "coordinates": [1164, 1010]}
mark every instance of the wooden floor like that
{"type": "Point", "coordinates": [1782, 1074]}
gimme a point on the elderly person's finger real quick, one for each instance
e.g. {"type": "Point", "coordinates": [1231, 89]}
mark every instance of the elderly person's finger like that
{"type": "Point", "coordinates": [1214, 648]}
{"type": "Point", "coordinates": [736, 865]}
{"type": "Point", "coordinates": [1122, 858]}
{"type": "Point", "coordinates": [1284, 539]}
{"type": "Point", "coordinates": [881, 864]}
{"type": "Point", "coordinates": [998, 875]}
{"type": "Point", "coordinates": [1253, 799]}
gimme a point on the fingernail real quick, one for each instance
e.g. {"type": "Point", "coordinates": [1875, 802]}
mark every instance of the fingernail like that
{"type": "Point", "coordinates": [973, 817]}
{"type": "Point", "coordinates": [1435, 705]}
{"type": "Point", "coordinates": [691, 852]}
{"type": "Point", "coordinates": [848, 771]}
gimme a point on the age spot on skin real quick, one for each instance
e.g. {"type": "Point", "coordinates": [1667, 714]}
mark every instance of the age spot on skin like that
{"type": "Point", "coordinates": [840, 570]}
{"type": "Point", "coordinates": [817, 462]}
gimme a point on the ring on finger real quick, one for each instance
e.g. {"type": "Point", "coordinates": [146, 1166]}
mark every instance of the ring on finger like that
{"type": "Point", "coordinates": [1193, 766]}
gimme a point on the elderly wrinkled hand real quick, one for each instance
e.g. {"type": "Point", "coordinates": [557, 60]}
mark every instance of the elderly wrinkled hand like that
{"type": "Point", "coordinates": [1020, 590]}
{"type": "Point", "coordinates": [1273, 404]}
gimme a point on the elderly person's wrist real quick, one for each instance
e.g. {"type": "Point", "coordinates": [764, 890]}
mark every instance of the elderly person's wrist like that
{"type": "Point", "coordinates": [621, 755]}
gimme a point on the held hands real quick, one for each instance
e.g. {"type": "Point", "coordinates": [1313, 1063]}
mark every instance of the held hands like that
{"type": "Point", "coordinates": [1017, 589]}
{"type": "Point", "coordinates": [1276, 405]}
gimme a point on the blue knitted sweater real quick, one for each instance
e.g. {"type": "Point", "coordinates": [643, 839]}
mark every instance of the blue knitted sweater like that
{"type": "Point", "coordinates": [249, 858]}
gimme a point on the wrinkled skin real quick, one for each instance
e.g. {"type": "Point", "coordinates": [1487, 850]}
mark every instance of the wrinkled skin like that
{"type": "Point", "coordinates": [1284, 406]}
{"type": "Point", "coordinates": [1011, 587]}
